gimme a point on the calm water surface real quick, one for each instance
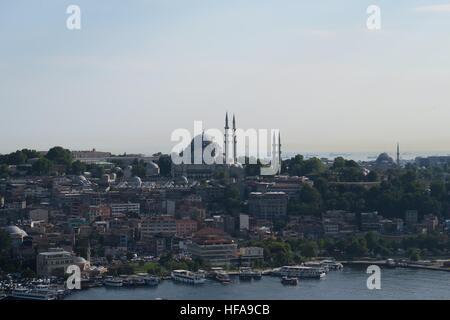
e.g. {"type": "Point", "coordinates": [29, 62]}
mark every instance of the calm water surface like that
{"type": "Point", "coordinates": [349, 283]}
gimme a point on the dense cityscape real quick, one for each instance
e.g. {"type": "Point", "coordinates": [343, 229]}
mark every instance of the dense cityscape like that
{"type": "Point", "coordinates": [132, 219]}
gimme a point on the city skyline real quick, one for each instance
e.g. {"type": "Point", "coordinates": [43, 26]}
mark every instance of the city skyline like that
{"type": "Point", "coordinates": [135, 73]}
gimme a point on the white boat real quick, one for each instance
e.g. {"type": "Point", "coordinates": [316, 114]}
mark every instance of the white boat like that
{"type": "Point", "coordinates": [245, 273]}
{"type": "Point", "coordinates": [300, 272]}
{"type": "Point", "coordinates": [113, 282]}
{"type": "Point", "coordinates": [188, 277]}
{"type": "Point", "coordinates": [148, 279]}
{"type": "Point", "coordinates": [390, 263]}
{"type": "Point", "coordinates": [289, 281]}
{"type": "Point", "coordinates": [152, 281]}
{"type": "Point", "coordinates": [133, 281]}
{"type": "Point", "coordinates": [332, 264]}
{"type": "Point", "coordinates": [317, 264]}
{"type": "Point", "coordinates": [32, 294]}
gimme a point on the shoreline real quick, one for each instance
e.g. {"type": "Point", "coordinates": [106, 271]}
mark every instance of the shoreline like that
{"type": "Point", "coordinates": [384, 263]}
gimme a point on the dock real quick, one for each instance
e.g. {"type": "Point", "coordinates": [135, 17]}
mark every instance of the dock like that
{"type": "Point", "coordinates": [411, 265]}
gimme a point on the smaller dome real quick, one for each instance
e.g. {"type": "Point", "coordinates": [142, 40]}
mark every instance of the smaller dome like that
{"type": "Point", "coordinates": [182, 180]}
{"type": "Point", "coordinates": [79, 260]}
{"type": "Point", "coordinates": [151, 164]}
{"type": "Point", "coordinates": [15, 231]}
{"type": "Point", "coordinates": [135, 182]}
{"type": "Point", "coordinates": [384, 158]}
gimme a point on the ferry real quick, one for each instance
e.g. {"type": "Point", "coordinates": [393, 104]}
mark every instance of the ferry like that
{"type": "Point", "coordinates": [218, 274]}
{"type": "Point", "coordinates": [223, 277]}
{"type": "Point", "coordinates": [133, 281]}
{"type": "Point", "coordinates": [256, 275]}
{"type": "Point", "coordinates": [317, 264]}
{"type": "Point", "coordinates": [300, 272]}
{"type": "Point", "coordinates": [152, 281]}
{"type": "Point", "coordinates": [289, 281]}
{"type": "Point", "coordinates": [332, 264]}
{"type": "Point", "coordinates": [245, 274]}
{"type": "Point", "coordinates": [113, 282]}
{"type": "Point", "coordinates": [23, 293]}
{"type": "Point", "coordinates": [390, 263]}
{"type": "Point", "coordinates": [3, 294]}
{"type": "Point", "coordinates": [188, 277]}
{"type": "Point", "coordinates": [88, 283]}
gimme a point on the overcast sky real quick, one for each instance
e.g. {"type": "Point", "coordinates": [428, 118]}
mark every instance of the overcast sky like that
{"type": "Point", "coordinates": [139, 69]}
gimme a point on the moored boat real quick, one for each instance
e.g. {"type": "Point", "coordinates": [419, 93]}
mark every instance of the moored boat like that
{"type": "Point", "coordinates": [332, 264]}
{"type": "Point", "coordinates": [223, 277]}
{"type": "Point", "coordinates": [152, 281]}
{"type": "Point", "coordinates": [188, 277]}
{"type": "Point", "coordinates": [23, 293]}
{"type": "Point", "coordinates": [245, 274]}
{"type": "Point", "coordinates": [390, 263]}
{"type": "Point", "coordinates": [133, 281]}
{"type": "Point", "coordinates": [289, 281]}
{"type": "Point", "coordinates": [113, 282]}
{"type": "Point", "coordinates": [300, 272]}
{"type": "Point", "coordinates": [257, 275]}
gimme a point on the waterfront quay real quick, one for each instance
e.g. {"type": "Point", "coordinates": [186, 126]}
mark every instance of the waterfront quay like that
{"type": "Point", "coordinates": [390, 263]}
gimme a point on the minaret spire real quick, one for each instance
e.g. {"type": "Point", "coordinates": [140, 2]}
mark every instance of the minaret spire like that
{"type": "Point", "coordinates": [234, 141]}
{"type": "Point", "coordinates": [398, 154]}
{"type": "Point", "coordinates": [225, 140]}
{"type": "Point", "coordinates": [279, 152]}
{"type": "Point", "coordinates": [274, 151]}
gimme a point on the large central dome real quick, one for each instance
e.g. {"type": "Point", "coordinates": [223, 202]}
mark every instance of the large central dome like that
{"type": "Point", "coordinates": [203, 144]}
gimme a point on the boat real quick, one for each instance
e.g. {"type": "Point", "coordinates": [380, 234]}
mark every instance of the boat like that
{"type": "Point", "coordinates": [88, 283]}
{"type": "Point", "coordinates": [289, 281]}
{"type": "Point", "coordinates": [113, 282]}
{"type": "Point", "coordinates": [218, 274]}
{"type": "Point", "coordinates": [317, 264]}
{"type": "Point", "coordinates": [133, 281]}
{"type": "Point", "coordinates": [223, 277]}
{"type": "Point", "coordinates": [245, 274]}
{"type": "Point", "coordinates": [3, 294]}
{"type": "Point", "coordinates": [152, 281]}
{"type": "Point", "coordinates": [188, 277]}
{"type": "Point", "coordinates": [332, 264]}
{"type": "Point", "coordinates": [302, 272]}
{"type": "Point", "coordinates": [256, 275]}
{"type": "Point", "coordinates": [390, 263]}
{"type": "Point", "coordinates": [23, 293]}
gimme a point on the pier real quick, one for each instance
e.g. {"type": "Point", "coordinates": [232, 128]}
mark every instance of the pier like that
{"type": "Point", "coordinates": [384, 263]}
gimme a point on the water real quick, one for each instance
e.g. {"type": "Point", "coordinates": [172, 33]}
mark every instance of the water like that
{"type": "Point", "coordinates": [365, 156]}
{"type": "Point", "coordinates": [349, 283]}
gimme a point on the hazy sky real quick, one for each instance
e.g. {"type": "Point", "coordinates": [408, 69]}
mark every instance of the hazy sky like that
{"type": "Point", "coordinates": [137, 70]}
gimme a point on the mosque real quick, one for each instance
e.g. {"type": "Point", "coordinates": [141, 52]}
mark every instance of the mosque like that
{"type": "Point", "coordinates": [224, 164]}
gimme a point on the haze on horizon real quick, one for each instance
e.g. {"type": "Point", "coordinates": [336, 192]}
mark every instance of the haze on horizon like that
{"type": "Point", "coordinates": [137, 71]}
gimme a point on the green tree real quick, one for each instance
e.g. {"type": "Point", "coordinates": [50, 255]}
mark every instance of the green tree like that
{"type": "Point", "coordinates": [59, 155]}
{"type": "Point", "coordinates": [309, 249]}
{"type": "Point", "coordinates": [372, 176]}
{"type": "Point", "coordinates": [77, 167]}
{"type": "Point", "coordinates": [414, 254]}
{"type": "Point", "coordinates": [41, 167]}
{"type": "Point", "coordinates": [165, 165]}
{"type": "Point", "coordinates": [4, 171]}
